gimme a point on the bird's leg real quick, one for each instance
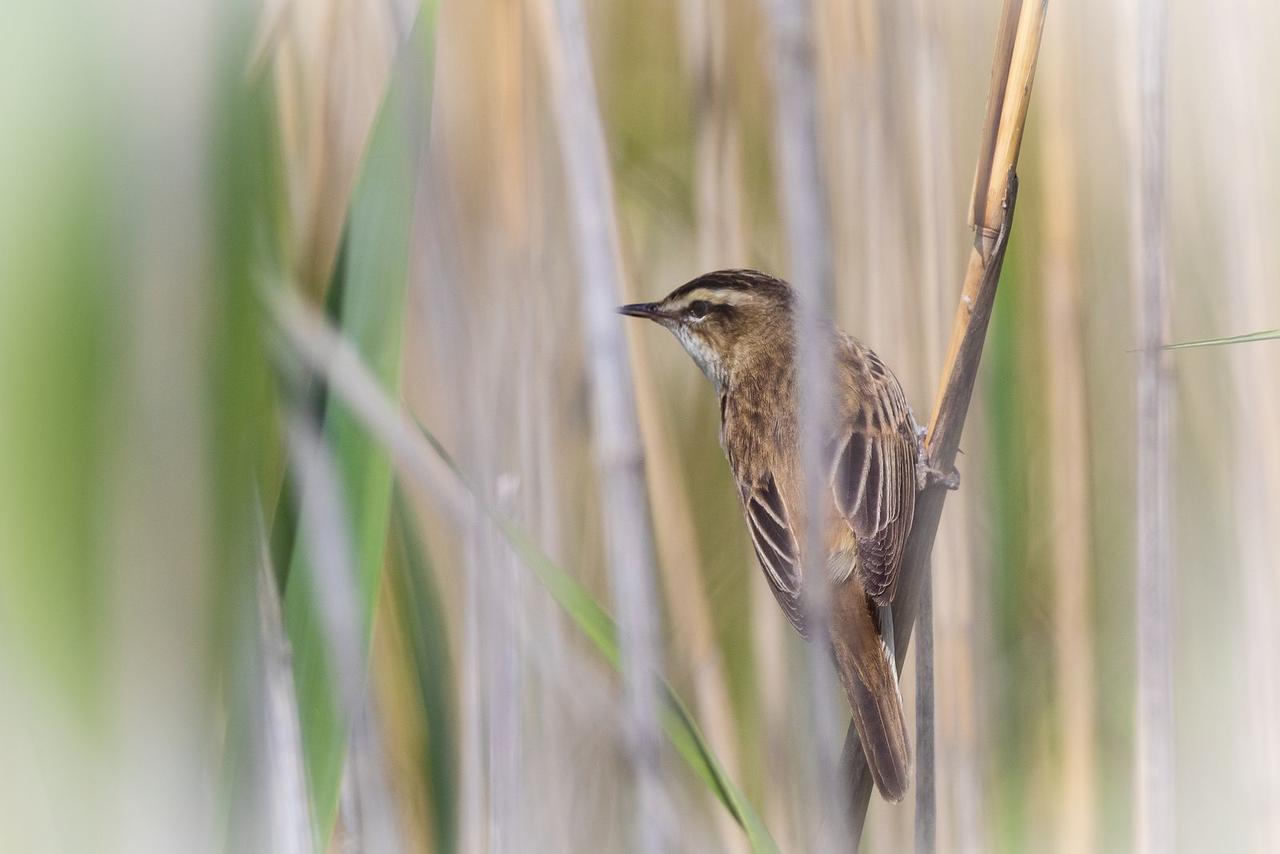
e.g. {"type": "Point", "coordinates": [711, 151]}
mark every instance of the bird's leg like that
{"type": "Point", "coordinates": [927, 475]}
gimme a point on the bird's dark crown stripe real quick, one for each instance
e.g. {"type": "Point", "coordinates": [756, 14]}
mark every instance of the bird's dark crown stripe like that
{"type": "Point", "coordinates": [726, 280]}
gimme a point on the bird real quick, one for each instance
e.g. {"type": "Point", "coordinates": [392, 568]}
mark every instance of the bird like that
{"type": "Point", "coordinates": [739, 327]}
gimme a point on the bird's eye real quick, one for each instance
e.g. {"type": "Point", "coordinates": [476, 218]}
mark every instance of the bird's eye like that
{"type": "Point", "coordinates": [699, 308]}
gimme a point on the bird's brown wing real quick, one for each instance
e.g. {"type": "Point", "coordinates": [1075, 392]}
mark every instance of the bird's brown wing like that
{"type": "Point", "coordinates": [873, 480]}
{"type": "Point", "coordinates": [775, 543]}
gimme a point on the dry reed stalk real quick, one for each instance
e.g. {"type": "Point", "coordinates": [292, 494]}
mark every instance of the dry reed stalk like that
{"type": "Point", "coordinates": [932, 144]}
{"type": "Point", "coordinates": [806, 215]}
{"type": "Point", "coordinates": [1154, 760]}
{"type": "Point", "coordinates": [509, 256]}
{"type": "Point", "coordinates": [1017, 48]}
{"type": "Point", "coordinates": [1068, 464]}
{"type": "Point", "coordinates": [618, 453]}
{"type": "Point", "coordinates": [493, 583]}
{"type": "Point", "coordinates": [926, 796]}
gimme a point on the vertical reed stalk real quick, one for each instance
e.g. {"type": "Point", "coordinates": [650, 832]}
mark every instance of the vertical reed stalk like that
{"type": "Point", "coordinates": [926, 816]}
{"type": "Point", "coordinates": [931, 142]}
{"type": "Point", "coordinates": [1154, 761]}
{"type": "Point", "coordinates": [619, 459]}
{"type": "Point", "coordinates": [802, 189]}
{"type": "Point", "coordinates": [509, 262]}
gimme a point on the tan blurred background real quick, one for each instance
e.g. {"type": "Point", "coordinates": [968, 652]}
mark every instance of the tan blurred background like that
{"type": "Point", "coordinates": [165, 165]}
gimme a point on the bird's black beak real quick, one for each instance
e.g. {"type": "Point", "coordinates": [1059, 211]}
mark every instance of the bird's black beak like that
{"type": "Point", "coordinates": [643, 309]}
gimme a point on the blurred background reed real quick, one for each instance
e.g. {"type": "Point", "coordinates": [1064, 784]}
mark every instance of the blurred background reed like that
{"type": "Point", "coordinates": [233, 618]}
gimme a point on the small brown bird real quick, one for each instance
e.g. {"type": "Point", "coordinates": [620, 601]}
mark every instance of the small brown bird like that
{"type": "Point", "coordinates": [738, 326]}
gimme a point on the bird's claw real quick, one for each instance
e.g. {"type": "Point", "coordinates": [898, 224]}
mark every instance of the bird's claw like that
{"type": "Point", "coordinates": [927, 476]}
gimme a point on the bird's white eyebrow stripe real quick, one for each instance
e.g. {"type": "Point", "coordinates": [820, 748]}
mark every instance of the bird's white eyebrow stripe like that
{"type": "Point", "coordinates": [715, 296]}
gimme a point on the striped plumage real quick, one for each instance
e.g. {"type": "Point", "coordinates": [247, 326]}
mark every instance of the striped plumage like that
{"type": "Point", "coordinates": [738, 326]}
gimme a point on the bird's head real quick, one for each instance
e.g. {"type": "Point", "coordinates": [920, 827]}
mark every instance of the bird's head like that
{"type": "Point", "coordinates": [724, 318]}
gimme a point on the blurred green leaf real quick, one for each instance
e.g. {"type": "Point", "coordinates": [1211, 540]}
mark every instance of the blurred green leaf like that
{"type": "Point", "coordinates": [593, 621]}
{"type": "Point", "coordinates": [240, 403]}
{"type": "Point", "coordinates": [60, 272]}
{"type": "Point", "coordinates": [371, 317]}
{"type": "Point", "coordinates": [1266, 335]}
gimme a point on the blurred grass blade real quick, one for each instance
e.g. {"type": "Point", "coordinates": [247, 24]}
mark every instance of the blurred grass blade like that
{"type": "Point", "coordinates": [371, 317]}
{"type": "Point", "coordinates": [422, 616]}
{"type": "Point", "coordinates": [596, 624]}
{"type": "Point", "coordinates": [1265, 335]}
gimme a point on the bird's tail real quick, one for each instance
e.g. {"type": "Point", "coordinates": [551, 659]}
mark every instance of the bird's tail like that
{"type": "Point", "coordinates": [871, 683]}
